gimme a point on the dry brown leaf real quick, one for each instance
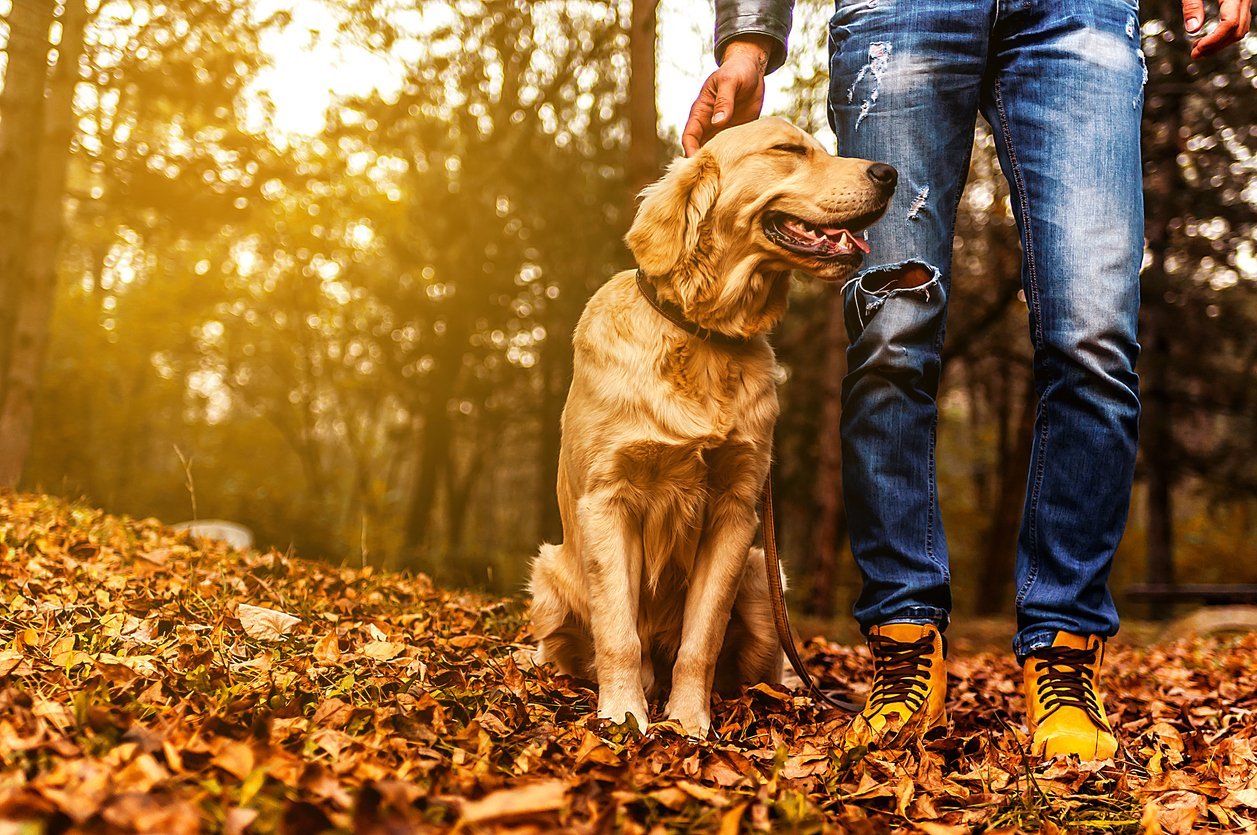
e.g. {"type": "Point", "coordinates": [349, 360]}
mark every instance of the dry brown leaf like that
{"type": "Point", "coordinates": [14, 664]}
{"type": "Point", "coordinates": [265, 624]}
{"type": "Point", "coordinates": [383, 650]}
{"type": "Point", "coordinates": [1178, 811]}
{"type": "Point", "coordinates": [932, 828]}
{"type": "Point", "coordinates": [327, 649]}
{"type": "Point", "coordinates": [236, 758]}
{"type": "Point", "coordinates": [529, 799]}
{"type": "Point", "coordinates": [118, 685]}
{"type": "Point", "coordinates": [731, 821]}
{"type": "Point", "coordinates": [1243, 797]}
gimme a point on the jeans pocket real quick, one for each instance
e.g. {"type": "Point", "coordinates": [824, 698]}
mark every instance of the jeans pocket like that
{"type": "Point", "coordinates": [845, 13]}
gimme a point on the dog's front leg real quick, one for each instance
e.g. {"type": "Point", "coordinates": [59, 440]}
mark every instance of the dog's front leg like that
{"type": "Point", "coordinates": [714, 584]}
{"type": "Point", "coordinates": [612, 550]}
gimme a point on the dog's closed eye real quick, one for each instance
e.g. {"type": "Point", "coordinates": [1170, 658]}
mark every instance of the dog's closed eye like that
{"type": "Point", "coordinates": [789, 148]}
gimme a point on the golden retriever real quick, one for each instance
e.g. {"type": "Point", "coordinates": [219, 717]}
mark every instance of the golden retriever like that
{"type": "Point", "coordinates": [667, 436]}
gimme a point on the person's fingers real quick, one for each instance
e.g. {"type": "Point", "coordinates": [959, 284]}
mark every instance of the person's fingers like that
{"type": "Point", "coordinates": [749, 105]}
{"type": "Point", "coordinates": [1224, 34]}
{"type": "Point", "coordinates": [732, 95]}
{"type": "Point", "coordinates": [1193, 15]}
{"type": "Point", "coordinates": [699, 121]}
{"type": "Point", "coordinates": [726, 98]}
{"type": "Point", "coordinates": [692, 136]}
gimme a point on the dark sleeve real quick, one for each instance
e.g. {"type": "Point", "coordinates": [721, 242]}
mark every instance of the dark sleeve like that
{"type": "Point", "coordinates": [754, 17]}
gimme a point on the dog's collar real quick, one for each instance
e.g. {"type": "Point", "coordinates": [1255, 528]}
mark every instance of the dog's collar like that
{"type": "Point", "coordinates": [676, 316]}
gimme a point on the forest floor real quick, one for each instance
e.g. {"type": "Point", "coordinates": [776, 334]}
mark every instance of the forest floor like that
{"type": "Point", "coordinates": [153, 684]}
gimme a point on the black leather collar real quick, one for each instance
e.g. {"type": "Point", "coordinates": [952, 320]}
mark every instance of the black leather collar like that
{"type": "Point", "coordinates": [676, 316]}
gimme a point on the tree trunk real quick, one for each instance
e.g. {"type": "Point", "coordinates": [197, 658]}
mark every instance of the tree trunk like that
{"type": "Point", "coordinates": [643, 152]}
{"type": "Point", "coordinates": [459, 489]}
{"type": "Point", "coordinates": [434, 457]}
{"type": "Point", "coordinates": [1001, 540]}
{"type": "Point", "coordinates": [21, 132]}
{"type": "Point", "coordinates": [1158, 440]}
{"type": "Point", "coordinates": [34, 305]}
{"type": "Point", "coordinates": [831, 528]}
{"type": "Point", "coordinates": [1166, 193]}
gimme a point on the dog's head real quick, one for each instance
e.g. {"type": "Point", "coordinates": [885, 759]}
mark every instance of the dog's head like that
{"type": "Point", "coordinates": [754, 203]}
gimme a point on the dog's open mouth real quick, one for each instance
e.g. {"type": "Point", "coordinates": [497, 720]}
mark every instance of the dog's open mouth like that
{"type": "Point", "coordinates": [815, 241]}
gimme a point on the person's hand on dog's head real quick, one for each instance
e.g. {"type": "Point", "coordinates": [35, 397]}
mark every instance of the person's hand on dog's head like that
{"type": "Point", "coordinates": [1235, 19]}
{"type": "Point", "coordinates": [732, 95]}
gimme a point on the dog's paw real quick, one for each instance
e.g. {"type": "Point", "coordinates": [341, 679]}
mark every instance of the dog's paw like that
{"type": "Point", "coordinates": [695, 721]}
{"type": "Point", "coordinates": [619, 710]}
{"type": "Point", "coordinates": [696, 725]}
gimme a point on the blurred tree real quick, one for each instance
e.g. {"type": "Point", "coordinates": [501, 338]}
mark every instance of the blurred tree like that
{"type": "Point", "coordinates": [159, 164]}
{"type": "Point", "coordinates": [503, 251]}
{"type": "Point", "coordinates": [385, 305]}
{"type": "Point", "coordinates": [21, 130]}
{"type": "Point", "coordinates": [32, 218]}
{"type": "Point", "coordinates": [1199, 325]}
{"type": "Point", "coordinates": [644, 146]}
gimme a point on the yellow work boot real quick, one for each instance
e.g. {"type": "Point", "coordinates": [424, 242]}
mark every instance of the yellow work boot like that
{"type": "Point", "coordinates": [909, 686]}
{"type": "Point", "coordinates": [1063, 699]}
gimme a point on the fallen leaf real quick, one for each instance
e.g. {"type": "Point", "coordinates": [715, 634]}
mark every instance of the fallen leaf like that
{"type": "Point", "coordinates": [529, 799]}
{"type": "Point", "coordinates": [327, 649]}
{"type": "Point", "coordinates": [265, 624]}
{"type": "Point", "coordinates": [383, 650]}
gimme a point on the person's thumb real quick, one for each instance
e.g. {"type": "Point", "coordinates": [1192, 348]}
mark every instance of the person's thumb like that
{"type": "Point", "coordinates": [1193, 15]}
{"type": "Point", "coordinates": [726, 94]}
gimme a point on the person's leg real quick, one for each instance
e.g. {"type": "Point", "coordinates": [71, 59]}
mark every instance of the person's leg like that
{"type": "Point", "coordinates": [1065, 98]}
{"type": "Point", "coordinates": [906, 79]}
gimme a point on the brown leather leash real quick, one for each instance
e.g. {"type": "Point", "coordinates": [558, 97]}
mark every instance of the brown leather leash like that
{"type": "Point", "coordinates": [772, 560]}
{"type": "Point", "coordinates": [772, 566]}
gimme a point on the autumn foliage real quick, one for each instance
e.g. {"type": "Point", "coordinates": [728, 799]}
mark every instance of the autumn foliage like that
{"type": "Point", "coordinates": [150, 683]}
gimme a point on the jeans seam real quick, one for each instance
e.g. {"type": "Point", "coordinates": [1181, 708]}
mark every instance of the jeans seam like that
{"type": "Point", "coordinates": [913, 614]}
{"type": "Point", "coordinates": [1019, 184]}
{"type": "Point", "coordinates": [938, 348]}
{"type": "Point", "coordinates": [931, 516]}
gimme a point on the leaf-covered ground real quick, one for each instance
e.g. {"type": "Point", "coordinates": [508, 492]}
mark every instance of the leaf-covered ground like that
{"type": "Point", "coordinates": [152, 684]}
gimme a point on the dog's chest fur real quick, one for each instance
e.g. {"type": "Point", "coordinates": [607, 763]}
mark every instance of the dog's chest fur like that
{"type": "Point", "coordinates": [688, 436]}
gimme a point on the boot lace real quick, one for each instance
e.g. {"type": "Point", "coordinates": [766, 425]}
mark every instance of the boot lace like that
{"type": "Point", "coordinates": [900, 669]}
{"type": "Point", "coordinates": [1066, 681]}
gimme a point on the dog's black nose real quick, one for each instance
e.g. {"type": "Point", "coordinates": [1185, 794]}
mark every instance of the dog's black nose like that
{"type": "Point", "coordinates": [884, 175]}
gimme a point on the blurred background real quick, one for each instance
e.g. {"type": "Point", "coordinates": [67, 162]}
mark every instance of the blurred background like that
{"type": "Point", "coordinates": [313, 267]}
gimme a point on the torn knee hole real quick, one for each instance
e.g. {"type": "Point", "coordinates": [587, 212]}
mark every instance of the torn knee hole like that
{"type": "Point", "coordinates": [912, 280]}
{"type": "Point", "coordinates": [906, 277]}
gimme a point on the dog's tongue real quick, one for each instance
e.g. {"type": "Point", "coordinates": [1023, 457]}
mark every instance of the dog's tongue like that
{"type": "Point", "coordinates": [841, 235]}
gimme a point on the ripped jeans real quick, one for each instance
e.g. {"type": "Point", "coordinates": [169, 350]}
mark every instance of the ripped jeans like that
{"type": "Point", "coordinates": [1061, 83]}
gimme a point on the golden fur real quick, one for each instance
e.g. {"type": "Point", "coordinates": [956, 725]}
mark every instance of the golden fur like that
{"type": "Point", "coordinates": [667, 438]}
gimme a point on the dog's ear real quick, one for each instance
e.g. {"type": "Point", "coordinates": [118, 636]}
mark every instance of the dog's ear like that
{"type": "Point", "coordinates": [666, 229]}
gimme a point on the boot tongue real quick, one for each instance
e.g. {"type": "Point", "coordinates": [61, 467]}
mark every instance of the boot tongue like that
{"type": "Point", "coordinates": [1072, 641]}
{"type": "Point", "coordinates": [903, 631]}
{"type": "Point", "coordinates": [1076, 641]}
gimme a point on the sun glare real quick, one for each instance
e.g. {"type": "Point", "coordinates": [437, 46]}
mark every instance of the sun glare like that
{"type": "Point", "coordinates": [312, 66]}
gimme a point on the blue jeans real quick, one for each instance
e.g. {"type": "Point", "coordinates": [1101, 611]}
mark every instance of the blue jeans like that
{"type": "Point", "coordinates": [1061, 83]}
